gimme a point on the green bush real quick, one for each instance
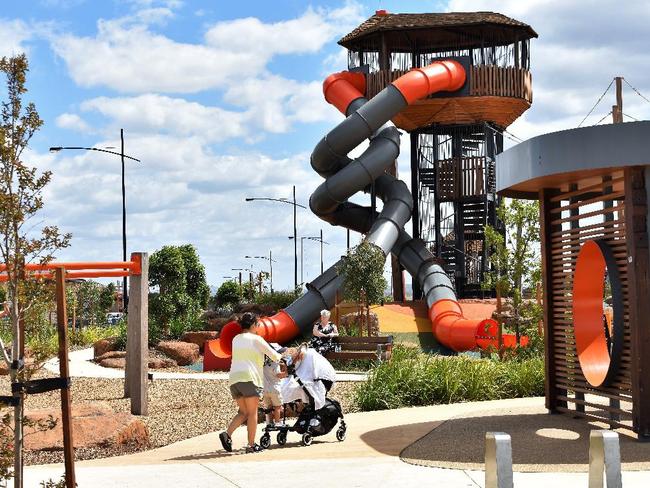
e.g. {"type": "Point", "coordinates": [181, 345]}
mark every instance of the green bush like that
{"type": "Point", "coordinates": [278, 299]}
{"type": "Point", "coordinates": [413, 378]}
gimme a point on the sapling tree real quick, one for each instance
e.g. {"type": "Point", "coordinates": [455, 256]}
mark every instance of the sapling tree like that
{"type": "Point", "coordinates": [514, 258]}
{"type": "Point", "coordinates": [363, 275]}
{"type": "Point", "coordinates": [21, 198]}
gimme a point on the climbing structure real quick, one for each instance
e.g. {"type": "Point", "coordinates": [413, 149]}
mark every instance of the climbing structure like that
{"type": "Point", "coordinates": [454, 136]}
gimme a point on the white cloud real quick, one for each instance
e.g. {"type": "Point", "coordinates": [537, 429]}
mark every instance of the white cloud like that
{"type": "Point", "coordinates": [72, 122]}
{"type": "Point", "coordinates": [130, 57]}
{"type": "Point", "coordinates": [13, 35]}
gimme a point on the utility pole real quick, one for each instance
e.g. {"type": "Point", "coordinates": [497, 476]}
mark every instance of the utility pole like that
{"type": "Point", "coordinates": [617, 110]}
{"type": "Point", "coordinates": [321, 251]}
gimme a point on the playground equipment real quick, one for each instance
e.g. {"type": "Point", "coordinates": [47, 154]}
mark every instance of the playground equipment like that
{"type": "Point", "coordinates": [408, 99]}
{"type": "Point", "coordinates": [135, 384]}
{"type": "Point", "coordinates": [592, 184]}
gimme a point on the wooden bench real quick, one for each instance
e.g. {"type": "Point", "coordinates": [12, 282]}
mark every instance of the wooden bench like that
{"type": "Point", "coordinates": [378, 348]}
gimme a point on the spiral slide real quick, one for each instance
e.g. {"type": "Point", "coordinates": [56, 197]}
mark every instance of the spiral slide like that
{"type": "Point", "coordinates": [370, 119]}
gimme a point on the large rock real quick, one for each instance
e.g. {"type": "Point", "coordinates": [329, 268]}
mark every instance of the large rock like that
{"type": "Point", "coordinates": [92, 425]}
{"type": "Point", "coordinates": [183, 353]}
{"type": "Point", "coordinates": [117, 363]}
{"type": "Point", "coordinates": [199, 337]}
{"type": "Point", "coordinates": [161, 363]}
{"type": "Point", "coordinates": [355, 325]}
{"type": "Point", "coordinates": [102, 346]}
{"type": "Point", "coordinates": [111, 355]}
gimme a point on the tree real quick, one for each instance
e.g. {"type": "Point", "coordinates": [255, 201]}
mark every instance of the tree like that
{"type": "Point", "coordinates": [107, 297]}
{"type": "Point", "coordinates": [229, 293]}
{"type": "Point", "coordinates": [514, 259]}
{"type": "Point", "coordinates": [21, 198]}
{"type": "Point", "coordinates": [363, 275]}
{"type": "Point", "coordinates": [182, 288]}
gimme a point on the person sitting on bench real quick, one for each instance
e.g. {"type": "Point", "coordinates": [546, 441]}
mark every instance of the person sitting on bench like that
{"type": "Point", "coordinates": [324, 331]}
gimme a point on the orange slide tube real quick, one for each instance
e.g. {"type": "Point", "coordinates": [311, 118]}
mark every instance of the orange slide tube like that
{"type": "Point", "coordinates": [455, 331]}
{"type": "Point", "coordinates": [418, 83]}
{"type": "Point", "coordinates": [341, 89]}
{"type": "Point", "coordinates": [280, 328]}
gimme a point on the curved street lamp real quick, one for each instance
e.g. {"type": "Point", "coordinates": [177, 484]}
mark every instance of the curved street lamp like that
{"type": "Point", "coordinates": [311, 238]}
{"type": "Point", "coordinates": [295, 232]}
{"type": "Point", "coordinates": [271, 261]}
{"type": "Point", "coordinates": [125, 291]}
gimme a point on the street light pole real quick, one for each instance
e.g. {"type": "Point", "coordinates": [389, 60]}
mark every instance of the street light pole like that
{"type": "Point", "coordinates": [295, 246]}
{"type": "Point", "coordinates": [295, 228]}
{"type": "Point", "coordinates": [321, 251]}
{"type": "Point", "coordinates": [122, 158]}
{"type": "Point", "coordinates": [125, 292]}
{"type": "Point", "coordinates": [271, 266]}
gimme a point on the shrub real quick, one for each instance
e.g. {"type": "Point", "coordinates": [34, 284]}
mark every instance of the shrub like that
{"type": "Point", "coordinates": [229, 293]}
{"type": "Point", "coordinates": [277, 300]}
{"type": "Point", "coordinates": [413, 378]}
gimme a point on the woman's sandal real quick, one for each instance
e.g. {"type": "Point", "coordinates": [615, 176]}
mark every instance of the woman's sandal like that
{"type": "Point", "coordinates": [226, 441]}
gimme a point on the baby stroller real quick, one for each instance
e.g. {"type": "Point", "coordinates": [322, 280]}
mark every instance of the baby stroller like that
{"type": "Point", "coordinates": [310, 422]}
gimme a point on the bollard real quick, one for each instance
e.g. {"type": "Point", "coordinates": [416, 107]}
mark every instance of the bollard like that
{"type": "Point", "coordinates": [498, 460]}
{"type": "Point", "coordinates": [604, 456]}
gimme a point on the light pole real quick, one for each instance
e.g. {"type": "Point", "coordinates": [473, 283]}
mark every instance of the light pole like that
{"type": "Point", "coordinates": [125, 296]}
{"type": "Point", "coordinates": [250, 277]}
{"type": "Point", "coordinates": [311, 238]}
{"type": "Point", "coordinates": [271, 261]}
{"type": "Point", "coordinates": [295, 231]}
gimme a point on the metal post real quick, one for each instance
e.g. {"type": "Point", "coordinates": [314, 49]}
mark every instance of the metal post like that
{"type": "Point", "coordinates": [271, 267]}
{"type": "Point", "coordinates": [125, 296]}
{"type": "Point", "coordinates": [348, 239]}
{"type": "Point", "coordinates": [321, 251]}
{"type": "Point", "coordinates": [498, 460]}
{"type": "Point", "coordinates": [66, 406]}
{"type": "Point", "coordinates": [138, 337]}
{"type": "Point", "coordinates": [295, 242]}
{"type": "Point", "coordinates": [302, 243]}
{"type": "Point", "coordinates": [604, 456]}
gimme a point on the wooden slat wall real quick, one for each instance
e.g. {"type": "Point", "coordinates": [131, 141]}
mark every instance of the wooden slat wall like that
{"type": "Point", "coordinates": [483, 81]}
{"type": "Point", "coordinates": [567, 389]}
{"type": "Point", "coordinates": [461, 177]}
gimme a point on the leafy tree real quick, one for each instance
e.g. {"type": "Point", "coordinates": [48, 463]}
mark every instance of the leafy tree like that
{"type": "Point", "coordinates": [182, 289]}
{"type": "Point", "coordinates": [107, 297]}
{"type": "Point", "coordinates": [514, 259]}
{"type": "Point", "coordinates": [21, 198]}
{"type": "Point", "coordinates": [229, 293]}
{"type": "Point", "coordinates": [363, 275]}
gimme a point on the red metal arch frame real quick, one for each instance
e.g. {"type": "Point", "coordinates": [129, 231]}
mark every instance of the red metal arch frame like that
{"type": "Point", "coordinates": [599, 365]}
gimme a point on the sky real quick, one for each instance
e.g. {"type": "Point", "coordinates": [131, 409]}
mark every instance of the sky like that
{"type": "Point", "coordinates": [222, 100]}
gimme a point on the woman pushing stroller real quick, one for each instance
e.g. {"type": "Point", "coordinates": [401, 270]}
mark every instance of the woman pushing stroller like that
{"type": "Point", "coordinates": [247, 380]}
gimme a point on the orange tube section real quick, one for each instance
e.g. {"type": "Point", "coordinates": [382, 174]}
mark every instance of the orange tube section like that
{"type": "Point", "coordinates": [455, 331]}
{"type": "Point", "coordinates": [341, 89]}
{"type": "Point", "coordinates": [439, 76]}
{"type": "Point", "coordinates": [280, 328]}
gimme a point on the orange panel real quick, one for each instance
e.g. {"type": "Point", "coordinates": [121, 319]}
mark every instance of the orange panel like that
{"type": "Point", "coordinates": [588, 288]}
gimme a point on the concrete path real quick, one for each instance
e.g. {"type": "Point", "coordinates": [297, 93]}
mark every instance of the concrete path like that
{"type": "Point", "coordinates": [368, 457]}
{"type": "Point", "coordinates": [81, 365]}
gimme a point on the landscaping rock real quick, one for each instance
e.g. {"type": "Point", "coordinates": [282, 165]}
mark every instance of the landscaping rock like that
{"type": "Point", "coordinates": [103, 346]}
{"type": "Point", "coordinates": [117, 363]}
{"type": "Point", "coordinates": [159, 363]}
{"type": "Point", "coordinates": [184, 353]}
{"type": "Point", "coordinates": [4, 368]}
{"type": "Point", "coordinates": [350, 324]}
{"type": "Point", "coordinates": [92, 425]}
{"type": "Point", "coordinates": [199, 337]}
{"type": "Point", "coordinates": [111, 355]}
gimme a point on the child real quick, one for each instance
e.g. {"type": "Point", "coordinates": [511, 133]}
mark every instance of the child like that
{"type": "Point", "coordinates": [273, 372]}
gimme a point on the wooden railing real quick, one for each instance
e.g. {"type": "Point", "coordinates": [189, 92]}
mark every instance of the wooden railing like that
{"type": "Point", "coordinates": [483, 81]}
{"type": "Point", "coordinates": [461, 177]}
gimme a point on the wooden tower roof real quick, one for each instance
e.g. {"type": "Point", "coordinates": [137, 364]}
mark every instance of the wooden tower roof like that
{"type": "Point", "coordinates": [433, 31]}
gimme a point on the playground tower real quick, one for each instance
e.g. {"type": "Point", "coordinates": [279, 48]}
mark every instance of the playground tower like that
{"type": "Point", "coordinates": [454, 136]}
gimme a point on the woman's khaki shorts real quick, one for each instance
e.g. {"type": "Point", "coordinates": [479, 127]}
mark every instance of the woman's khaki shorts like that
{"type": "Point", "coordinates": [245, 389]}
{"type": "Point", "coordinates": [272, 400]}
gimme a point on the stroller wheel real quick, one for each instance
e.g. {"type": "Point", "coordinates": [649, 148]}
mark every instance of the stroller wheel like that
{"type": "Point", "coordinates": [265, 441]}
{"type": "Point", "coordinates": [282, 438]}
{"type": "Point", "coordinates": [307, 439]}
{"type": "Point", "coordinates": [340, 433]}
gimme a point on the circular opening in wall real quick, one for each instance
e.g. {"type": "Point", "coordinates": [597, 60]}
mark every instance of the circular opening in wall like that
{"type": "Point", "coordinates": [597, 312]}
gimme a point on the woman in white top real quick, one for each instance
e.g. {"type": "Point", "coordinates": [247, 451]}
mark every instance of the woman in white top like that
{"type": "Point", "coordinates": [247, 380]}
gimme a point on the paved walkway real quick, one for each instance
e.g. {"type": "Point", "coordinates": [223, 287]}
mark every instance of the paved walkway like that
{"type": "Point", "coordinates": [368, 457]}
{"type": "Point", "coordinates": [81, 365]}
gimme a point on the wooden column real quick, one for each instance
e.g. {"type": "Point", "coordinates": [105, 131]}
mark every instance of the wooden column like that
{"type": "Point", "coordinates": [550, 380]}
{"type": "Point", "coordinates": [66, 400]}
{"type": "Point", "coordinates": [138, 336]}
{"type": "Point", "coordinates": [637, 182]}
{"type": "Point", "coordinates": [415, 191]}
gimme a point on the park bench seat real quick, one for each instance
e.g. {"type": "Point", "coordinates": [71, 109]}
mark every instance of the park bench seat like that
{"type": "Point", "coordinates": [377, 348]}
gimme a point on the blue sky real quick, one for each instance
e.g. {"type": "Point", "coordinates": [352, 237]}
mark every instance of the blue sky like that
{"type": "Point", "coordinates": [221, 100]}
